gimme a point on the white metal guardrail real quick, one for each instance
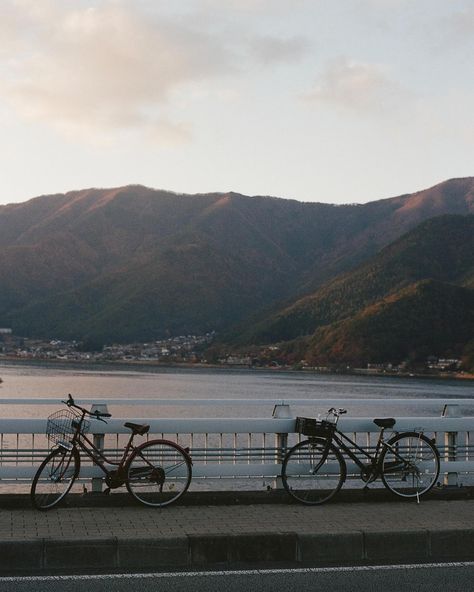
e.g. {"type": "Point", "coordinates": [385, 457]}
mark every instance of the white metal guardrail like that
{"type": "Point", "coordinates": [234, 449]}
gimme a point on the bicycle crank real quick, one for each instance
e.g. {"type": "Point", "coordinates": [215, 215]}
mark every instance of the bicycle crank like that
{"type": "Point", "coordinates": [368, 475]}
{"type": "Point", "coordinates": [115, 479]}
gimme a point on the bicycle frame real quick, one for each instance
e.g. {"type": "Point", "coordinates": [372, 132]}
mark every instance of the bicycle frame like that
{"type": "Point", "coordinates": [98, 457]}
{"type": "Point", "coordinates": [339, 437]}
{"type": "Point", "coordinates": [340, 440]}
{"type": "Point", "coordinates": [81, 441]}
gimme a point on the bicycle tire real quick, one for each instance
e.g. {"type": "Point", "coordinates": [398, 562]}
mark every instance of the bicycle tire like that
{"type": "Point", "coordinates": [158, 473]}
{"type": "Point", "coordinates": [298, 471]}
{"type": "Point", "coordinates": [418, 472]}
{"type": "Point", "coordinates": [55, 477]}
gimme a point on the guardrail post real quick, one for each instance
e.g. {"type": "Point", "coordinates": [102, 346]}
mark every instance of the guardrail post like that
{"type": "Point", "coordinates": [99, 441]}
{"type": "Point", "coordinates": [281, 411]}
{"type": "Point", "coordinates": [450, 444]}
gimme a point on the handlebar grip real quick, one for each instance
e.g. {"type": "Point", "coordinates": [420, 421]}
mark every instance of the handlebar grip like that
{"type": "Point", "coordinates": [70, 401]}
{"type": "Point", "coordinates": [100, 414]}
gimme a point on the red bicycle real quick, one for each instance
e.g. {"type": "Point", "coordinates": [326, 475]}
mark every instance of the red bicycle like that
{"type": "Point", "coordinates": [156, 473]}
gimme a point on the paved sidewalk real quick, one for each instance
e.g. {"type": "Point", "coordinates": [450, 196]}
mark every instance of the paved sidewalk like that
{"type": "Point", "coordinates": [135, 537]}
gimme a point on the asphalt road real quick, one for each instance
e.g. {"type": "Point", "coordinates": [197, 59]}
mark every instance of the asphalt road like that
{"type": "Point", "coordinates": [452, 577]}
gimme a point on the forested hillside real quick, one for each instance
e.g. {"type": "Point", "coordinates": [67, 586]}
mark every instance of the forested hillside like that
{"type": "Point", "coordinates": [134, 263]}
{"type": "Point", "coordinates": [412, 300]}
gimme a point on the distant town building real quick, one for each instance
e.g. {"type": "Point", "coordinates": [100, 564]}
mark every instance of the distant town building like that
{"type": "Point", "coordinates": [234, 360]}
{"type": "Point", "coordinates": [5, 334]}
{"type": "Point", "coordinates": [444, 363]}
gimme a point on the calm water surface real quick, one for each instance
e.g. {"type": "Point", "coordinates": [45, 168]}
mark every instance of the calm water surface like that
{"type": "Point", "coordinates": [158, 383]}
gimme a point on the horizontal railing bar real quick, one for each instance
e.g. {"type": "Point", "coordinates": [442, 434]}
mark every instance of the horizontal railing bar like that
{"type": "Point", "coordinates": [211, 458]}
{"type": "Point", "coordinates": [222, 470]}
{"type": "Point", "coordinates": [214, 469]}
{"type": "Point", "coordinates": [243, 425]}
{"type": "Point", "coordinates": [12, 454]}
{"type": "Point", "coordinates": [131, 401]}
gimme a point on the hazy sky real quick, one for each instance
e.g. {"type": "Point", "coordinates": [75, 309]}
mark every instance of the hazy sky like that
{"type": "Point", "coordinates": [319, 100]}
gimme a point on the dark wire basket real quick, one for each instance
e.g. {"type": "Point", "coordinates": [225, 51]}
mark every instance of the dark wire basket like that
{"type": "Point", "coordinates": [60, 427]}
{"type": "Point", "coordinates": [309, 426]}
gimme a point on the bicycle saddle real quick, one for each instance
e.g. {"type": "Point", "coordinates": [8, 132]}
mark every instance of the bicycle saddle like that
{"type": "Point", "coordinates": [137, 428]}
{"type": "Point", "coordinates": [386, 422]}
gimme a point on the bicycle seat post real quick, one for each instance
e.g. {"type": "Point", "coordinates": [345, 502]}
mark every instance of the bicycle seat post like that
{"type": "Point", "coordinates": [129, 444]}
{"type": "Point", "coordinates": [380, 441]}
{"type": "Point", "coordinates": [383, 423]}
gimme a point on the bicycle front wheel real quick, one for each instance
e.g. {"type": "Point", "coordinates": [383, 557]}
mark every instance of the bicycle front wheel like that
{"type": "Point", "coordinates": [409, 465]}
{"type": "Point", "coordinates": [159, 472]}
{"type": "Point", "coordinates": [54, 478]}
{"type": "Point", "coordinates": [312, 473]}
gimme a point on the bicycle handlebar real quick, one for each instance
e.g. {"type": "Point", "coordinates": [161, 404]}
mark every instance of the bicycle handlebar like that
{"type": "Point", "coordinates": [337, 412]}
{"type": "Point", "coordinates": [96, 414]}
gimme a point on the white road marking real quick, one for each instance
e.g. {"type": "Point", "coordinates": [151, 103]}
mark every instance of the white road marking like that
{"type": "Point", "coordinates": [194, 574]}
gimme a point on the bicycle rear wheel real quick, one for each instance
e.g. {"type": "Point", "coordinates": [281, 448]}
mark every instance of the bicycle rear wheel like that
{"type": "Point", "coordinates": [409, 465]}
{"type": "Point", "coordinates": [54, 478]}
{"type": "Point", "coordinates": [158, 473]}
{"type": "Point", "coordinates": [311, 477]}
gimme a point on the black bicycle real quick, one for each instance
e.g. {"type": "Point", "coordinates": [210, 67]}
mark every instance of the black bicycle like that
{"type": "Point", "coordinates": [156, 473]}
{"type": "Point", "coordinates": [314, 470]}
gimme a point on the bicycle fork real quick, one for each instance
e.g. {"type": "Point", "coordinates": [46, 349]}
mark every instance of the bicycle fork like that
{"type": "Point", "coordinates": [323, 459]}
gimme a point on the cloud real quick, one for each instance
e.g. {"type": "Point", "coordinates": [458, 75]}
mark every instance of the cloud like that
{"type": "Point", "coordinates": [166, 133]}
{"type": "Point", "coordinates": [269, 50]}
{"type": "Point", "coordinates": [10, 22]}
{"type": "Point", "coordinates": [365, 90]}
{"type": "Point", "coordinates": [101, 68]}
{"type": "Point", "coordinates": [94, 68]}
{"type": "Point", "coordinates": [461, 25]}
{"type": "Point", "coordinates": [254, 6]}
{"type": "Point", "coordinates": [355, 85]}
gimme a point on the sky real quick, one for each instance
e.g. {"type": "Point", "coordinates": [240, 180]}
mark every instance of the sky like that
{"type": "Point", "coordinates": [339, 101]}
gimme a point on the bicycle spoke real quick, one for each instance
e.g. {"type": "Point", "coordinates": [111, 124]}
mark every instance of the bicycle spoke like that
{"type": "Point", "coordinates": [54, 478]}
{"type": "Point", "coordinates": [159, 472]}
{"type": "Point", "coordinates": [311, 473]}
{"type": "Point", "coordinates": [410, 465]}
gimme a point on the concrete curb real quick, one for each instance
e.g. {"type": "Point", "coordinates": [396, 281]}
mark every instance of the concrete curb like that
{"type": "Point", "coordinates": [207, 551]}
{"type": "Point", "coordinates": [219, 498]}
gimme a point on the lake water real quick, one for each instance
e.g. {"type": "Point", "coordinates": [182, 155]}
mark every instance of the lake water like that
{"type": "Point", "coordinates": [131, 382]}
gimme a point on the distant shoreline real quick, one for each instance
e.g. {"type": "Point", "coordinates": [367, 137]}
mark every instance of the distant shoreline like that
{"type": "Point", "coordinates": [189, 366]}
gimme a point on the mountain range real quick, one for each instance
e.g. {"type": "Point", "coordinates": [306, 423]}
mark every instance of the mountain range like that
{"type": "Point", "coordinates": [133, 263]}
